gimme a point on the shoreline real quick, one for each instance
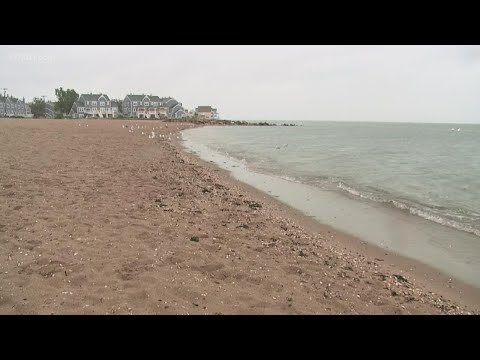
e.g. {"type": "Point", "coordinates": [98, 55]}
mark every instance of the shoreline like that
{"type": "Point", "coordinates": [98, 220]}
{"type": "Point", "coordinates": [426, 275]}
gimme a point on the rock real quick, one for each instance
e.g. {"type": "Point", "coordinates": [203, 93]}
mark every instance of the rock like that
{"type": "Point", "coordinates": [252, 204]}
{"type": "Point", "coordinates": [160, 203]}
{"type": "Point", "coordinates": [401, 278]}
{"type": "Point", "coordinates": [195, 238]}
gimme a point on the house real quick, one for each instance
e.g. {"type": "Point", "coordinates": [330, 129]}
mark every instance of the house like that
{"type": "Point", "coordinates": [152, 106]}
{"type": "Point", "coordinates": [10, 106]}
{"type": "Point", "coordinates": [206, 112]}
{"type": "Point", "coordinates": [144, 106]}
{"type": "Point", "coordinates": [175, 109]}
{"type": "Point", "coordinates": [49, 110]}
{"type": "Point", "coordinates": [93, 105]}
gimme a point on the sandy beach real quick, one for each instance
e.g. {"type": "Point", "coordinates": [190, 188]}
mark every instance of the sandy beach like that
{"type": "Point", "coordinates": [96, 218]}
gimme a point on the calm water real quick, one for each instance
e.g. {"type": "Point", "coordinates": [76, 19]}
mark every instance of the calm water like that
{"type": "Point", "coordinates": [412, 188]}
{"type": "Point", "coordinates": [425, 169]}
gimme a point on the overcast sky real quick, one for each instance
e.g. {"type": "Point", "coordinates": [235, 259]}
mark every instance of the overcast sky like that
{"type": "Point", "coordinates": [357, 83]}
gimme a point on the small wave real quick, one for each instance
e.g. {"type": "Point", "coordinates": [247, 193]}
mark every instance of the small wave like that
{"type": "Point", "coordinates": [353, 191]}
{"type": "Point", "coordinates": [438, 219]}
{"type": "Point", "coordinates": [288, 178]}
{"type": "Point", "coordinates": [423, 213]}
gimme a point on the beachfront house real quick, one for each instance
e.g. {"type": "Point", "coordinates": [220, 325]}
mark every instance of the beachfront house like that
{"type": "Point", "coordinates": [152, 106]}
{"type": "Point", "coordinates": [143, 106]}
{"type": "Point", "coordinates": [206, 112]}
{"type": "Point", "coordinates": [10, 106]}
{"type": "Point", "coordinates": [93, 105]}
{"type": "Point", "coordinates": [174, 108]}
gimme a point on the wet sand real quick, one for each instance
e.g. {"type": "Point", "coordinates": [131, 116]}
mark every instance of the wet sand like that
{"type": "Point", "coordinates": [100, 220]}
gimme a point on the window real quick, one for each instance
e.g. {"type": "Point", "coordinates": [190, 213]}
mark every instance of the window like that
{"type": "Point", "coordinates": [102, 103]}
{"type": "Point", "coordinates": [134, 103]}
{"type": "Point", "coordinates": [134, 109]}
{"type": "Point", "coordinates": [94, 109]}
{"type": "Point", "coordinates": [108, 103]}
{"type": "Point", "coordinates": [154, 104]}
{"type": "Point", "coordinates": [146, 103]}
{"type": "Point", "coordinates": [88, 102]}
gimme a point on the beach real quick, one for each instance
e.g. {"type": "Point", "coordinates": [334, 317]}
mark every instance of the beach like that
{"type": "Point", "coordinates": [98, 218]}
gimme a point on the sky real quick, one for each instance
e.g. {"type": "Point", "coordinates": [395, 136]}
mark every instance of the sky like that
{"type": "Point", "coordinates": [262, 82]}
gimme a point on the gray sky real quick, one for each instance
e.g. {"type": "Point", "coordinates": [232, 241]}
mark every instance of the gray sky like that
{"type": "Point", "coordinates": [358, 83]}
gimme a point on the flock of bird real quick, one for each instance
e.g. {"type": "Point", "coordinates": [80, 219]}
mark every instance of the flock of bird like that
{"type": "Point", "coordinates": [143, 129]}
{"type": "Point", "coordinates": [151, 135]}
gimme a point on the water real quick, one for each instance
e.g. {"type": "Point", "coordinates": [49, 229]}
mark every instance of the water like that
{"type": "Point", "coordinates": [374, 180]}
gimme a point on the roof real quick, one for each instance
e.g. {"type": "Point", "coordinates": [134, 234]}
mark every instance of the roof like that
{"type": "Point", "coordinates": [205, 109]}
{"type": "Point", "coordinates": [12, 99]}
{"type": "Point", "coordinates": [169, 102]}
{"type": "Point", "coordinates": [135, 97]}
{"type": "Point", "coordinates": [141, 97]}
{"type": "Point", "coordinates": [49, 105]}
{"type": "Point", "coordinates": [155, 98]}
{"type": "Point", "coordinates": [93, 97]}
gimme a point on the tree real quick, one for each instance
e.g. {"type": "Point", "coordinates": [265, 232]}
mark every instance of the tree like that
{"type": "Point", "coordinates": [119, 105]}
{"type": "Point", "coordinates": [38, 107]}
{"type": "Point", "coordinates": [66, 98]}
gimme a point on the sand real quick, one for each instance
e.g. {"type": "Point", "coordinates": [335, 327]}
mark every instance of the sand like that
{"type": "Point", "coordinates": [97, 219]}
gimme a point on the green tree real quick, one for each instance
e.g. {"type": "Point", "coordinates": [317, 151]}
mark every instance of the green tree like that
{"type": "Point", "coordinates": [65, 100]}
{"type": "Point", "coordinates": [119, 105]}
{"type": "Point", "coordinates": [38, 107]}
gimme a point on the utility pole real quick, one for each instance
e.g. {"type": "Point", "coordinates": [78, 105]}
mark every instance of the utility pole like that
{"type": "Point", "coordinates": [44, 107]}
{"type": "Point", "coordinates": [5, 99]}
